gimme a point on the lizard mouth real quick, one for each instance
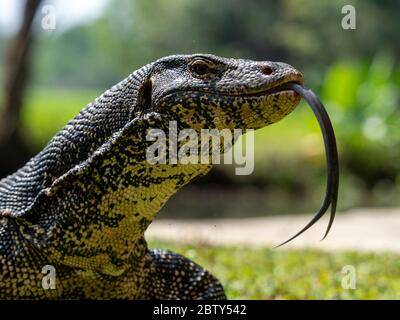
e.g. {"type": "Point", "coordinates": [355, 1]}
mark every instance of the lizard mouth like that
{"type": "Point", "coordinates": [328, 134]}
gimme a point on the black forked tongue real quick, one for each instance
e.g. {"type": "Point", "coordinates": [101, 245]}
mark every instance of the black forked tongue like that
{"type": "Point", "coordinates": [332, 185]}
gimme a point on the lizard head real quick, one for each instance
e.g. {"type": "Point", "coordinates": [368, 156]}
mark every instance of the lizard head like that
{"type": "Point", "coordinates": [204, 90]}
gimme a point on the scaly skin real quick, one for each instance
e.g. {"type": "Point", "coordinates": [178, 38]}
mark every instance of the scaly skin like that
{"type": "Point", "coordinates": [83, 204]}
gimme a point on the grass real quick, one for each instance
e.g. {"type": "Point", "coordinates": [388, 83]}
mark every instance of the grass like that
{"type": "Point", "coordinates": [264, 273]}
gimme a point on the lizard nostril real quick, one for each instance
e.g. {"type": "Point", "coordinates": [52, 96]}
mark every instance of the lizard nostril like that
{"type": "Point", "coordinates": [267, 70]}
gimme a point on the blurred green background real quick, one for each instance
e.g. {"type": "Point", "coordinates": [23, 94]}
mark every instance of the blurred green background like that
{"type": "Point", "coordinates": [356, 73]}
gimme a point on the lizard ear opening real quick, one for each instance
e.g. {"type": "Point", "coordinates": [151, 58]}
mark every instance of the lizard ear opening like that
{"type": "Point", "coordinates": [145, 95]}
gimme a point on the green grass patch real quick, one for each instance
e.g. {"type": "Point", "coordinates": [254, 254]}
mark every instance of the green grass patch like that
{"type": "Point", "coordinates": [264, 273]}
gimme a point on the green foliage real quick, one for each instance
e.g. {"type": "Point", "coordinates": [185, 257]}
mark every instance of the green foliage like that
{"type": "Point", "coordinates": [263, 273]}
{"type": "Point", "coordinates": [304, 33]}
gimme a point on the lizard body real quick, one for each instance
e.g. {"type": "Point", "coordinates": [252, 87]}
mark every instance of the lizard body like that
{"type": "Point", "coordinates": [84, 202]}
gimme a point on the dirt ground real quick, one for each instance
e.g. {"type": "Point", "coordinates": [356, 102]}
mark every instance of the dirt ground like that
{"type": "Point", "coordinates": [365, 229]}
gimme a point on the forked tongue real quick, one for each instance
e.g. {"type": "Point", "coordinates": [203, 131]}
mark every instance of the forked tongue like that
{"type": "Point", "coordinates": [332, 185]}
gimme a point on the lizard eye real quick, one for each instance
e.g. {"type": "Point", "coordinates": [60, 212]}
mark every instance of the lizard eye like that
{"type": "Point", "coordinates": [200, 68]}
